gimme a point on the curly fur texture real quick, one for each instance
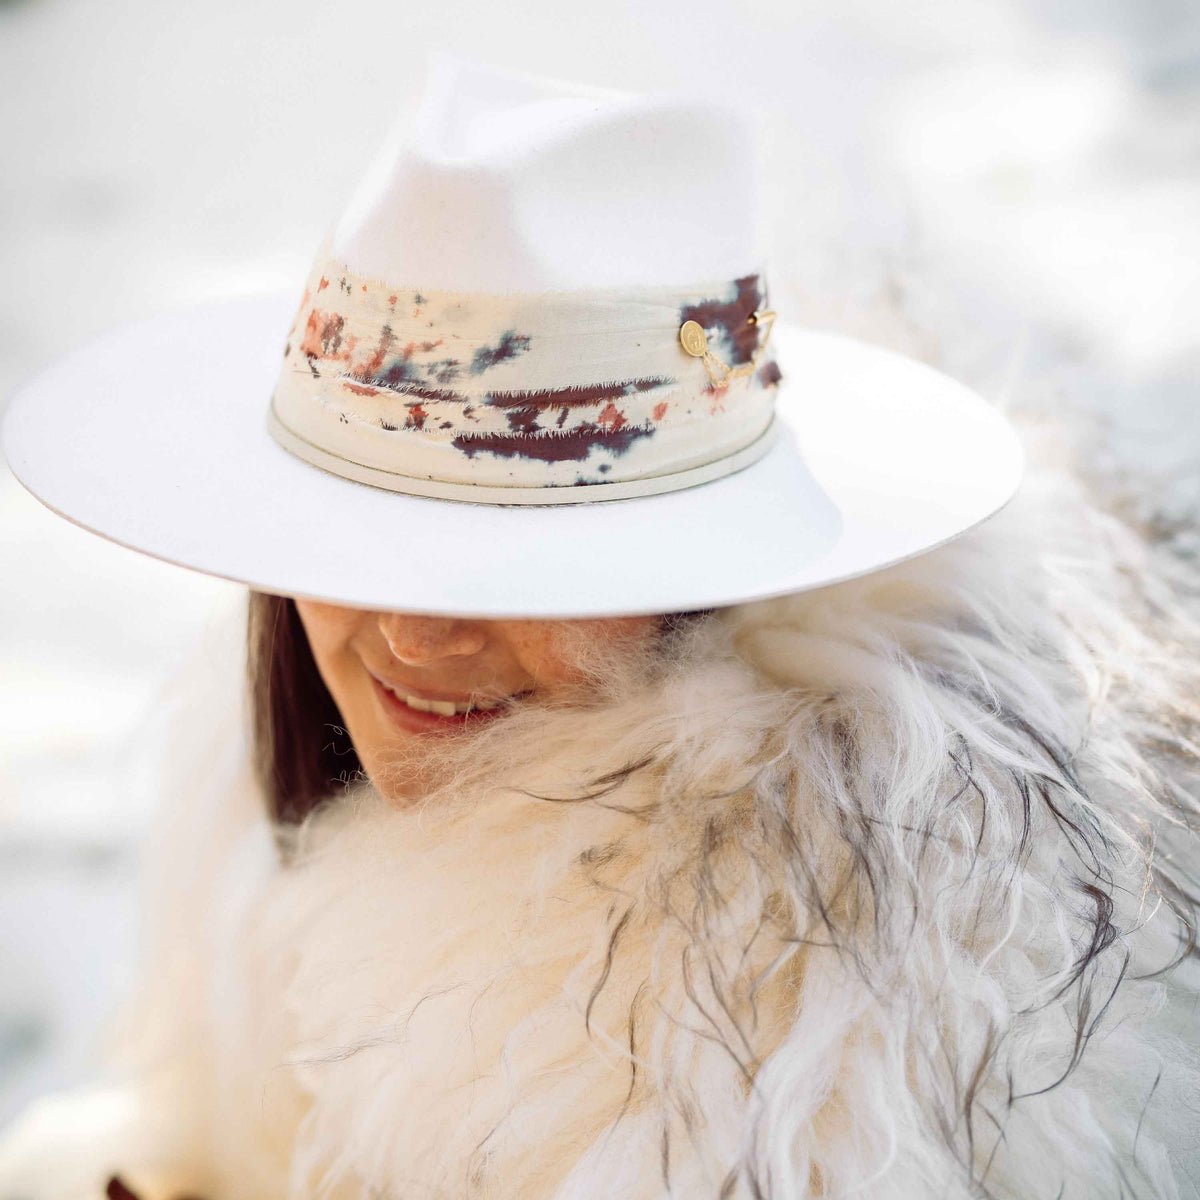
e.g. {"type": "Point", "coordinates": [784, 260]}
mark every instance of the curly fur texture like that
{"type": "Point", "coordinates": [882, 890]}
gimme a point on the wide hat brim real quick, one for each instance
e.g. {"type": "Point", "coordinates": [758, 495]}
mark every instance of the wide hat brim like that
{"type": "Point", "coordinates": [155, 436]}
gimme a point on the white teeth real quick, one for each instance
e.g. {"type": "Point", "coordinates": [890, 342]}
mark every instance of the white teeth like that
{"type": "Point", "coordinates": [445, 708]}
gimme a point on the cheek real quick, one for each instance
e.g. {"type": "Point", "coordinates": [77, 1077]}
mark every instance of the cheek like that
{"type": "Point", "coordinates": [620, 631]}
{"type": "Point", "coordinates": [559, 652]}
{"type": "Point", "coordinates": [330, 629]}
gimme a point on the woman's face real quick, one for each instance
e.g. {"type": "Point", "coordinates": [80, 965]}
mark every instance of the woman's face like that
{"type": "Point", "coordinates": [396, 678]}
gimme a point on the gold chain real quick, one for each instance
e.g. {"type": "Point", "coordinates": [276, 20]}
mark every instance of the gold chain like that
{"type": "Point", "coordinates": [694, 339]}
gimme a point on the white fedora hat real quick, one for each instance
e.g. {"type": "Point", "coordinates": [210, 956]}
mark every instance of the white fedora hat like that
{"type": "Point", "coordinates": [534, 373]}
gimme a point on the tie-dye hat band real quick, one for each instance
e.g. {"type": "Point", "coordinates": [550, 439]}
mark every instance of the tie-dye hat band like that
{"type": "Point", "coordinates": [526, 398]}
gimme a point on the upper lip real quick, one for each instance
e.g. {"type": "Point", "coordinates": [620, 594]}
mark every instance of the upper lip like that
{"type": "Point", "coordinates": [407, 689]}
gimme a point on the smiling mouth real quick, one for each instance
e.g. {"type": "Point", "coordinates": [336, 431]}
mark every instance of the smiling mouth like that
{"type": "Point", "coordinates": [444, 708]}
{"type": "Point", "coordinates": [472, 706]}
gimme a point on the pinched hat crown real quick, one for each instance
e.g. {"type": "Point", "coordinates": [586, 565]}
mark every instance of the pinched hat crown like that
{"type": "Point", "coordinates": [539, 294]}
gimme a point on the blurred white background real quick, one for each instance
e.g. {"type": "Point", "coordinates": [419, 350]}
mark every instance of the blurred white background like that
{"type": "Point", "coordinates": [1008, 187]}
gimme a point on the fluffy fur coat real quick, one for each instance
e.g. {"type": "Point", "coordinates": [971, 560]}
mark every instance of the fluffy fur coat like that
{"type": "Point", "coordinates": [876, 891]}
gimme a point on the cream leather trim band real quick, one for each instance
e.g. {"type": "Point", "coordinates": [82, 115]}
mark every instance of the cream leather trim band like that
{"type": "Point", "coordinates": [546, 496]}
{"type": "Point", "coordinates": [525, 398]}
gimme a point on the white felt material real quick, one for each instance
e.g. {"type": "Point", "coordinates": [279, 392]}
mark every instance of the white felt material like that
{"type": "Point", "coordinates": [155, 436]}
{"type": "Point", "coordinates": [510, 182]}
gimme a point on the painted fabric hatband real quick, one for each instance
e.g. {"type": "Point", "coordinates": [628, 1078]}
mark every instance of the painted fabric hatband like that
{"type": "Point", "coordinates": [541, 398]}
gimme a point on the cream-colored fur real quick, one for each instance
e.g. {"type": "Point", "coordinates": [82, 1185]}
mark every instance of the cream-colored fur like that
{"type": "Point", "coordinates": [848, 897]}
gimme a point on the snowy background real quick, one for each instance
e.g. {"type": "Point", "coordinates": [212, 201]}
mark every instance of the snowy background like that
{"type": "Point", "coordinates": [1010, 188]}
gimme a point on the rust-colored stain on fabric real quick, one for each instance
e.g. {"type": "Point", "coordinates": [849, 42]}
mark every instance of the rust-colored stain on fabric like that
{"type": "Point", "coordinates": [533, 379]}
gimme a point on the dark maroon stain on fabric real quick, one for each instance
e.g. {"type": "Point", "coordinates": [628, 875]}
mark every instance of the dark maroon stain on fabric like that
{"type": "Point", "coordinates": [730, 317]}
{"type": "Point", "coordinates": [511, 344]}
{"type": "Point", "coordinates": [583, 393]}
{"type": "Point", "coordinates": [331, 335]}
{"type": "Point", "coordinates": [444, 371]}
{"type": "Point", "coordinates": [523, 421]}
{"type": "Point", "coordinates": [573, 445]}
{"type": "Point", "coordinates": [323, 334]}
{"type": "Point", "coordinates": [117, 1189]}
{"type": "Point", "coordinates": [400, 371]}
{"type": "Point", "coordinates": [403, 379]}
{"type": "Point", "coordinates": [769, 374]}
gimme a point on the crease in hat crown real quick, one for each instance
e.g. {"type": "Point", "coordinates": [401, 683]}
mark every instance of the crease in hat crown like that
{"type": "Point", "coordinates": [497, 315]}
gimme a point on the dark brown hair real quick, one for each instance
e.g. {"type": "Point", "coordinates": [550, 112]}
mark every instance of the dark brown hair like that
{"type": "Point", "coordinates": [302, 751]}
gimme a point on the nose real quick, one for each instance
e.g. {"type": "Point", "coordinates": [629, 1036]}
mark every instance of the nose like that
{"type": "Point", "coordinates": [420, 640]}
